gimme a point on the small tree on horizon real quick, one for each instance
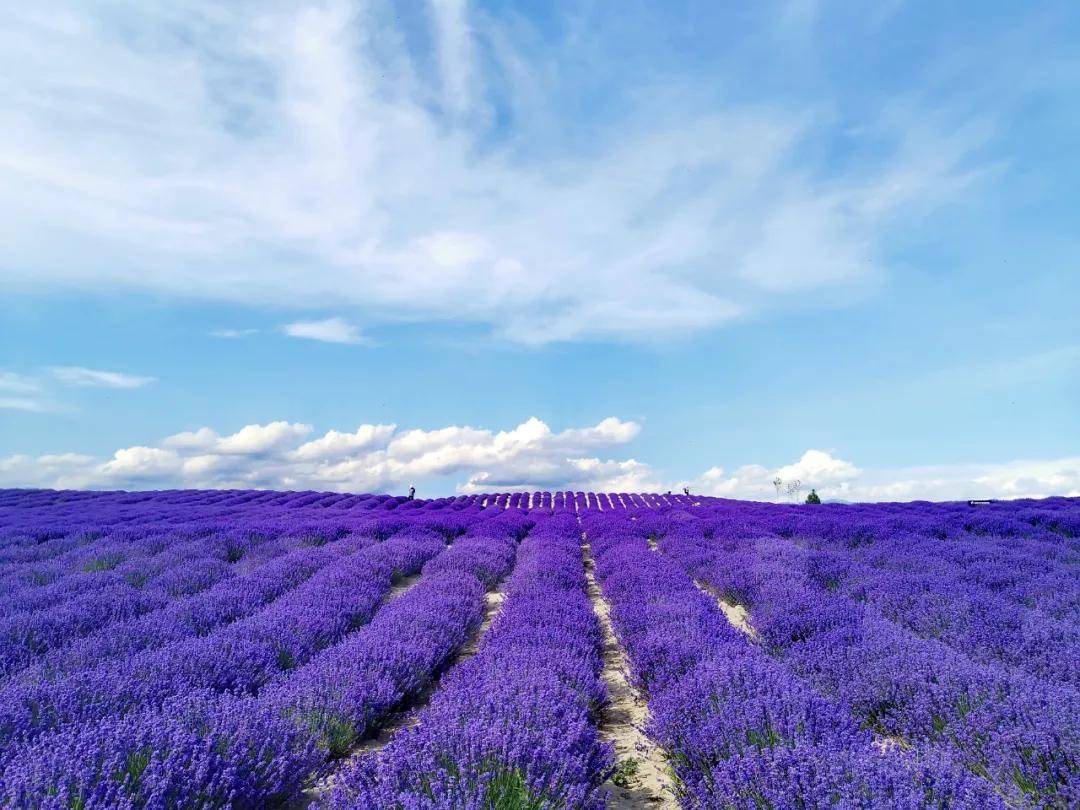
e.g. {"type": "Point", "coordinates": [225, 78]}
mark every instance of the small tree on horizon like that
{"type": "Point", "coordinates": [813, 497]}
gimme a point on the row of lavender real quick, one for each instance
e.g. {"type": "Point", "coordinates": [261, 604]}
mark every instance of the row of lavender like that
{"type": "Point", "coordinates": [37, 514]}
{"type": "Point", "coordinates": [866, 682]}
{"type": "Point", "coordinates": [514, 726]}
{"type": "Point", "coordinates": [122, 689]}
{"type": "Point", "coordinates": [948, 634]}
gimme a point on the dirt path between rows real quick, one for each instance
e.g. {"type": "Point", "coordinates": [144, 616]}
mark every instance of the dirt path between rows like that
{"type": "Point", "coordinates": [408, 715]}
{"type": "Point", "coordinates": [623, 719]}
{"type": "Point", "coordinates": [399, 587]}
{"type": "Point", "coordinates": [737, 615]}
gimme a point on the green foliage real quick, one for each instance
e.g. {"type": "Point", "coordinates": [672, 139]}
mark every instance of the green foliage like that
{"type": "Point", "coordinates": [626, 771]}
{"type": "Point", "coordinates": [285, 660]}
{"type": "Point", "coordinates": [136, 579]}
{"type": "Point", "coordinates": [106, 563]}
{"type": "Point", "coordinates": [767, 737]}
{"type": "Point", "coordinates": [813, 497]}
{"type": "Point", "coordinates": [339, 733]}
{"type": "Point", "coordinates": [336, 734]}
{"type": "Point", "coordinates": [508, 790]}
{"type": "Point", "coordinates": [131, 773]}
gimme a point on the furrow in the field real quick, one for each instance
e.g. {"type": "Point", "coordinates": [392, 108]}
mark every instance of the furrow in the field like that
{"type": "Point", "coordinates": [407, 714]}
{"type": "Point", "coordinates": [514, 725]}
{"type": "Point", "coordinates": [279, 570]}
{"type": "Point", "coordinates": [260, 750]}
{"type": "Point", "coordinates": [400, 587]}
{"type": "Point", "coordinates": [739, 618]}
{"type": "Point", "coordinates": [929, 599]}
{"type": "Point", "coordinates": [240, 657]}
{"type": "Point", "coordinates": [737, 615]}
{"type": "Point", "coordinates": [912, 693]}
{"type": "Point", "coordinates": [740, 729]}
{"type": "Point", "coordinates": [135, 590]}
{"type": "Point", "coordinates": [641, 778]}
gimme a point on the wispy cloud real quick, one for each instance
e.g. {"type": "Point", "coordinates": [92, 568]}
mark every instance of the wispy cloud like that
{"type": "Point", "coordinates": [232, 334]}
{"type": "Point", "coordinates": [95, 378]}
{"type": "Point", "coordinates": [330, 330]}
{"type": "Point", "coordinates": [26, 404]}
{"type": "Point", "coordinates": [13, 383]}
{"type": "Point", "coordinates": [1058, 363]}
{"type": "Point", "coordinates": [311, 153]}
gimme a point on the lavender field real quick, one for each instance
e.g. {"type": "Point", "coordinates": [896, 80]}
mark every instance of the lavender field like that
{"type": "Point", "coordinates": [546, 650]}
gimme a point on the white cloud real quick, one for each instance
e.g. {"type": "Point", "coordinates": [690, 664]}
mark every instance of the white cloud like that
{"type": "Point", "coordinates": [252, 440]}
{"type": "Point", "coordinates": [94, 378]}
{"type": "Point", "coordinates": [19, 392]}
{"type": "Point", "coordinates": [336, 445]}
{"type": "Point", "coordinates": [330, 330]}
{"type": "Point", "coordinates": [528, 457]}
{"type": "Point", "coordinates": [308, 152]}
{"type": "Point", "coordinates": [454, 45]}
{"type": "Point", "coordinates": [232, 334]}
{"type": "Point", "coordinates": [374, 457]}
{"type": "Point", "coordinates": [188, 441]}
{"type": "Point", "coordinates": [62, 471]}
{"type": "Point", "coordinates": [13, 383]}
{"type": "Point", "coordinates": [139, 463]}
{"type": "Point", "coordinates": [256, 439]}
{"type": "Point", "coordinates": [26, 404]}
{"type": "Point", "coordinates": [837, 479]}
{"type": "Point", "coordinates": [821, 467]}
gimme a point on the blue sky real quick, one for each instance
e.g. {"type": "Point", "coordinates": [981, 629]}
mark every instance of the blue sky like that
{"type": "Point", "coordinates": [628, 245]}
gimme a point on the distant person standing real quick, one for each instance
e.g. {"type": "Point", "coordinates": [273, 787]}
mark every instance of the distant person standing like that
{"type": "Point", "coordinates": [412, 493]}
{"type": "Point", "coordinates": [686, 491]}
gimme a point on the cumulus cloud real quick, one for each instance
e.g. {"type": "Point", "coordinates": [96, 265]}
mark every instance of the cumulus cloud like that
{"type": "Point", "coordinates": [336, 445]}
{"type": "Point", "coordinates": [59, 470]}
{"type": "Point", "coordinates": [373, 457]}
{"type": "Point", "coordinates": [94, 378]}
{"type": "Point", "coordinates": [251, 440]}
{"type": "Point", "coordinates": [817, 465]}
{"type": "Point", "coordinates": [141, 463]}
{"type": "Point", "coordinates": [530, 456]}
{"type": "Point", "coordinates": [330, 330]}
{"type": "Point", "coordinates": [315, 151]}
{"type": "Point", "coordinates": [837, 479]}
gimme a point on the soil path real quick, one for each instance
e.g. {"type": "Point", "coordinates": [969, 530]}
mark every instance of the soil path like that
{"type": "Point", "coordinates": [737, 615]}
{"type": "Point", "coordinates": [623, 719]}
{"type": "Point", "coordinates": [408, 714]}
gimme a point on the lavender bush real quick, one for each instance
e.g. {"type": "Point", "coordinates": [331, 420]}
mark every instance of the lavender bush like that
{"type": "Point", "coordinates": [233, 648]}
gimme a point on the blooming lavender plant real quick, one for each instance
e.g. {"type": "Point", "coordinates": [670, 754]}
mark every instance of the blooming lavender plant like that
{"type": "Point", "coordinates": [513, 726]}
{"type": "Point", "coordinates": [231, 648]}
